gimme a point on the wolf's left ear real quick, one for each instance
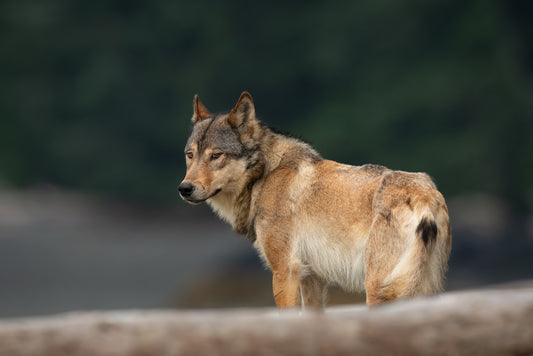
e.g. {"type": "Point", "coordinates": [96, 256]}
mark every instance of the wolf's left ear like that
{"type": "Point", "coordinates": [200, 111]}
{"type": "Point", "coordinates": [243, 111]}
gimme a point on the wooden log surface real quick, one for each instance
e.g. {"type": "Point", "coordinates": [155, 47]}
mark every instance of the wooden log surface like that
{"type": "Point", "coordinates": [484, 322]}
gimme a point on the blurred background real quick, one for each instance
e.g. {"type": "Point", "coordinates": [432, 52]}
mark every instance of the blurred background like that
{"type": "Point", "coordinates": [95, 107]}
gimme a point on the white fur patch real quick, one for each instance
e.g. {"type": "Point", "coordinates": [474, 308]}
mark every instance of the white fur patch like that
{"type": "Point", "coordinates": [338, 261]}
{"type": "Point", "coordinates": [223, 205]}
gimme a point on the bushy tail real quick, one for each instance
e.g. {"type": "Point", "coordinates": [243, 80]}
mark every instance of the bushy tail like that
{"type": "Point", "coordinates": [427, 230]}
{"type": "Point", "coordinates": [422, 265]}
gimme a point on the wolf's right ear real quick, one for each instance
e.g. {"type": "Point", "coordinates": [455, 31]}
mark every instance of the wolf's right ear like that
{"type": "Point", "coordinates": [200, 111]}
{"type": "Point", "coordinates": [243, 111]}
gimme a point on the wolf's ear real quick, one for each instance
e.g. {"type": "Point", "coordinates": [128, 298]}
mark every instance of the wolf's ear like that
{"type": "Point", "coordinates": [200, 111]}
{"type": "Point", "coordinates": [243, 111]}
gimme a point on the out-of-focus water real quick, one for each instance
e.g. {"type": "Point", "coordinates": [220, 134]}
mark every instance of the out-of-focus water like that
{"type": "Point", "coordinates": [63, 255]}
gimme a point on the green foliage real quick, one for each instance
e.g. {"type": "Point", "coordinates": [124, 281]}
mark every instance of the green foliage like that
{"type": "Point", "coordinates": [96, 95]}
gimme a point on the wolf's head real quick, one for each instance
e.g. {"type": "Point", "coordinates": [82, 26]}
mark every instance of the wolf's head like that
{"type": "Point", "coordinates": [222, 151]}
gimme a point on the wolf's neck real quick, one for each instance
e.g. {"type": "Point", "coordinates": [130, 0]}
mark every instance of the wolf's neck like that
{"type": "Point", "coordinates": [238, 207]}
{"type": "Point", "coordinates": [281, 150]}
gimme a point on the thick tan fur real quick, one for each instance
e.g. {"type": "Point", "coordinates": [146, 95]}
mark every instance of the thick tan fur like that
{"type": "Point", "coordinates": [317, 222]}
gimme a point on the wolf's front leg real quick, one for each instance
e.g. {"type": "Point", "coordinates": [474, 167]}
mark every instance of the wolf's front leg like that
{"type": "Point", "coordinates": [277, 248]}
{"type": "Point", "coordinates": [285, 281]}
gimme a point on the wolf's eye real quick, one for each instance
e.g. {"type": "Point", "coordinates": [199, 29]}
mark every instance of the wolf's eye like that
{"type": "Point", "coordinates": [189, 155]}
{"type": "Point", "coordinates": [216, 155]}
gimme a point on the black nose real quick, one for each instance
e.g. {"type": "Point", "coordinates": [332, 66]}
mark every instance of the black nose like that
{"type": "Point", "coordinates": [186, 189]}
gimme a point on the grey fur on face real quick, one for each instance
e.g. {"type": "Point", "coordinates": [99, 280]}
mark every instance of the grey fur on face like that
{"type": "Point", "coordinates": [215, 133]}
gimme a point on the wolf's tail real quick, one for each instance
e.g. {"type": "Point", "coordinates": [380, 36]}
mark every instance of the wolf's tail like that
{"type": "Point", "coordinates": [422, 266]}
{"type": "Point", "coordinates": [427, 229]}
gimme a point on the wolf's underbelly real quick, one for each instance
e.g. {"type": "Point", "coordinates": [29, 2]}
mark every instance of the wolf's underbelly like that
{"type": "Point", "coordinates": [336, 262]}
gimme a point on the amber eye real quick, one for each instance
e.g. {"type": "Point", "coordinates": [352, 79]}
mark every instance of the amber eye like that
{"type": "Point", "coordinates": [189, 155]}
{"type": "Point", "coordinates": [216, 155]}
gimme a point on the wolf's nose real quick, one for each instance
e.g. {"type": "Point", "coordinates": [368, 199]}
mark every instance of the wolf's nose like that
{"type": "Point", "coordinates": [186, 189]}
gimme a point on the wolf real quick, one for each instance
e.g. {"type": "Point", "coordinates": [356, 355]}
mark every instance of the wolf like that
{"type": "Point", "coordinates": [316, 222]}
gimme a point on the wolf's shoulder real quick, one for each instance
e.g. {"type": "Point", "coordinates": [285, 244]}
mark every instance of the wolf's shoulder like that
{"type": "Point", "coordinates": [375, 169]}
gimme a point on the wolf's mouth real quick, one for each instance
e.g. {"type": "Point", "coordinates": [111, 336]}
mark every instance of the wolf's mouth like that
{"type": "Point", "coordinates": [215, 193]}
{"type": "Point", "coordinates": [198, 201]}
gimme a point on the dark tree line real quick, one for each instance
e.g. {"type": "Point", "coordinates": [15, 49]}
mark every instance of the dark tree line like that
{"type": "Point", "coordinates": [96, 95]}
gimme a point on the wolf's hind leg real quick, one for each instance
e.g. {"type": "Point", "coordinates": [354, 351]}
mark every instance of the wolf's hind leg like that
{"type": "Point", "coordinates": [383, 251]}
{"type": "Point", "coordinates": [312, 292]}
